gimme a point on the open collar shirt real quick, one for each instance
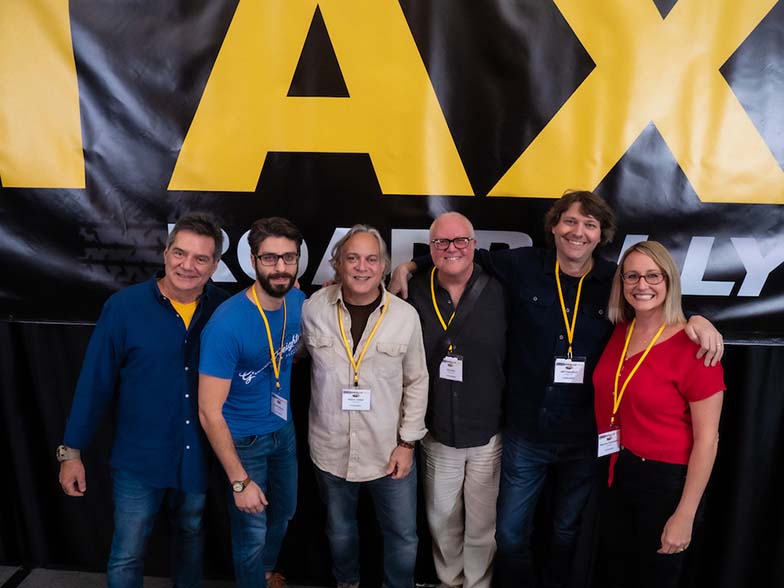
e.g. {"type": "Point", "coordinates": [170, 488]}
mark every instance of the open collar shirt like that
{"type": "Point", "coordinates": [356, 445]}
{"type": "Point", "coordinates": [464, 413]}
{"type": "Point", "coordinates": [142, 356]}
{"type": "Point", "coordinates": [538, 408]}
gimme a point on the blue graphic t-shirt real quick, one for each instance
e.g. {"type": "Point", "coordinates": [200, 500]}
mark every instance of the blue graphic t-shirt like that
{"type": "Point", "coordinates": [234, 346]}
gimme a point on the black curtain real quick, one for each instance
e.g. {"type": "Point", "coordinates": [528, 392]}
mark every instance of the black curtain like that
{"type": "Point", "coordinates": [741, 544]}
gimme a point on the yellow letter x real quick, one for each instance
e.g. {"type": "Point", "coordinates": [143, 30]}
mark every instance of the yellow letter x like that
{"type": "Point", "coordinates": [664, 71]}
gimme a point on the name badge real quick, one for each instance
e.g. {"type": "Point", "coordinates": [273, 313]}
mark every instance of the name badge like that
{"type": "Point", "coordinates": [280, 406]}
{"type": "Point", "coordinates": [609, 442]}
{"type": "Point", "coordinates": [355, 399]}
{"type": "Point", "coordinates": [569, 371]}
{"type": "Point", "coordinates": [451, 368]}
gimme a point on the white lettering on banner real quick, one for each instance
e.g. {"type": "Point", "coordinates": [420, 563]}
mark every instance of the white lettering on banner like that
{"type": "Point", "coordinates": [403, 241]}
{"type": "Point", "coordinates": [694, 269]}
{"type": "Point", "coordinates": [757, 266]}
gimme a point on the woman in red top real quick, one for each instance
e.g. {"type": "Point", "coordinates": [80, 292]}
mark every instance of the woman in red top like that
{"type": "Point", "coordinates": [657, 409]}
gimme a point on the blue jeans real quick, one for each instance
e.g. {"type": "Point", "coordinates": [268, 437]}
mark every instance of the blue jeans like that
{"type": "Point", "coordinates": [136, 506]}
{"type": "Point", "coordinates": [395, 505]}
{"type": "Point", "coordinates": [271, 462]}
{"type": "Point", "coordinates": [525, 466]}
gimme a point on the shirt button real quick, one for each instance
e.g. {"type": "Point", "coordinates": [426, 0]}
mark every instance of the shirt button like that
{"type": "Point", "coordinates": [187, 422]}
{"type": "Point", "coordinates": [187, 396]}
{"type": "Point", "coordinates": [568, 310]}
{"type": "Point", "coordinates": [601, 311]}
{"type": "Point", "coordinates": [187, 368]}
{"type": "Point", "coordinates": [559, 336]}
{"type": "Point", "coordinates": [536, 298]}
{"type": "Point", "coordinates": [186, 339]}
{"type": "Point", "coordinates": [187, 447]}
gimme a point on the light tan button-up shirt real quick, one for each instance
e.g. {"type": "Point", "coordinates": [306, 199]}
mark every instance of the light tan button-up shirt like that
{"type": "Point", "coordinates": [357, 445]}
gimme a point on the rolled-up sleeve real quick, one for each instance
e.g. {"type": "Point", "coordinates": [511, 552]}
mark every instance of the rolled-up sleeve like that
{"type": "Point", "coordinates": [415, 385]}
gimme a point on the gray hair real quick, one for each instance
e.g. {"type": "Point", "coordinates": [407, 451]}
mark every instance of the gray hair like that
{"type": "Point", "coordinates": [382, 248]}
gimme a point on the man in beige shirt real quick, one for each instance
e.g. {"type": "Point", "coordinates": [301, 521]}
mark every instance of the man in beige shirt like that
{"type": "Point", "coordinates": [368, 400]}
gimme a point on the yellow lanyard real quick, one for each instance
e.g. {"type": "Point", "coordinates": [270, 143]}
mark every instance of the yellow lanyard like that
{"type": "Point", "coordinates": [357, 363]}
{"type": "Point", "coordinates": [276, 363]}
{"type": "Point", "coordinates": [569, 328]}
{"type": "Point", "coordinates": [616, 396]}
{"type": "Point", "coordinates": [444, 325]}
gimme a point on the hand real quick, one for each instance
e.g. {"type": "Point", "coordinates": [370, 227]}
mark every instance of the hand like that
{"type": "Point", "coordinates": [677, 534]}
{"type": "Point", "coordinates": [251, 500]}
{"type": "Point", "coordinates": [398, 283]}
{"type": "Point", "coordinates": [701, 331]}
{"type": "Point", "coordinates": [72, 477]}
{"type": "Point", "coordinates": [400, 462]}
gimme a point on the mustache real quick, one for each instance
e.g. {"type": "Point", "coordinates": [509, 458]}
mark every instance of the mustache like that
{"type": "Point", "coordinates": [277, 275]}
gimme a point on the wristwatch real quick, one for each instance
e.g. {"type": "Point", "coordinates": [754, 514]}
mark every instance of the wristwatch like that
{"type": "Point", "coordinates": [406, 444]}
{"type": "Point", "coordinates": [240, 485]}
{"type": "Point", "coordinates": [63, 453]}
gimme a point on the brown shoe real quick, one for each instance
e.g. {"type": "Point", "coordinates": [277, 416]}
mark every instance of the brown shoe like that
{"type": "Point", "coordinates": [276, 580]}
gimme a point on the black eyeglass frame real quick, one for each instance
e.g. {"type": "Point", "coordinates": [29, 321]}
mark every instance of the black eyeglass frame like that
{"type": "Point", "coordinates": [662, 275]}
{"type": "Point", "coordinates": [277, 256]}
{"type": "Point", "coordinates": [439, 244]}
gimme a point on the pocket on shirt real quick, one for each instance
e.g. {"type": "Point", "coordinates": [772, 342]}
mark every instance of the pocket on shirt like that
{"type": "Point", "coordinates": [389, 360]}
{"type": "Point", "coordinates": [321, 351]}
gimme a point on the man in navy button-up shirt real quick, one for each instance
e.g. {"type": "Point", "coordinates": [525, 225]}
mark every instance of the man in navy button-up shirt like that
{"type": "Point", "coordinates": [144, 353]}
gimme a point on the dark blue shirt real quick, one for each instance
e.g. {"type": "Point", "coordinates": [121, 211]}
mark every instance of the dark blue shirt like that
{"type": "Point", "coordinates": [537, 408]}
{"type": "Point", "coordinates": [141, 353]}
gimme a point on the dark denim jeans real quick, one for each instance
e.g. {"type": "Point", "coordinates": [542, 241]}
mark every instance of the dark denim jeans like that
{"type": "Point", "coordinates": [136, 506]}
{"type": "Point", "coordinates": [395, 505]}
{"type": "Point", "coordinates": [525, 466]}
{"type": "Point", "coordinates": [271, 462]}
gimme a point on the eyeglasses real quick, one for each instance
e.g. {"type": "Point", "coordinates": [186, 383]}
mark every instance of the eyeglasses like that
{"type": "Point", "coordinates": [459, 243]}
{"type": "Point", "coordinates": [271, 259]}
{"type": "Point", "coordinates": [653, 278]}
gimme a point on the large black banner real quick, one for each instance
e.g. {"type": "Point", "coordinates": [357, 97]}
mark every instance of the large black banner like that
{"type": "Point", "coordinates": [117, 117]}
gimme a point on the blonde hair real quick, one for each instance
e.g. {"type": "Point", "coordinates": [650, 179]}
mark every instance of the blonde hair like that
{"type": "Point", "coordinates": [619, 310]}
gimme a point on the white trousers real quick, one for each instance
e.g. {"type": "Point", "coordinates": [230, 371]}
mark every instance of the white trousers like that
{"type": "Point", "coordinates": [461, 489]}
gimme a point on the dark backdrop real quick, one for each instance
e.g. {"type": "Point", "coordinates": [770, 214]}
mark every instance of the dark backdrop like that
{"type": "Point", "coordinates": [742, 543]}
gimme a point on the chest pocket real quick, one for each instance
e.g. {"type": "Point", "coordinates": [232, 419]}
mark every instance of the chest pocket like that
{"type": "Point", "coordinates": [322, 350]}
{"type": "Point", "coordinates": [388, 361]}
{"type": "Point", "coordinates": [537, 306]}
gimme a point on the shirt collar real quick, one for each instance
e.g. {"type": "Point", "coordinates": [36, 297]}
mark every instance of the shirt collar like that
{"type": "Point", "coordinates": [601, 270]}
{"type": "Point", "coordinates": [474, 277]}
{"type": "Point", "coordinates": [335, 295]}
{"type": "Point", "coordinates": [205, 294]}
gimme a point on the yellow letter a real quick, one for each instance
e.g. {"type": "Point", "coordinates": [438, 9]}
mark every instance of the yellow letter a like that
{"type": "Point", "coordinates": [392, 114]}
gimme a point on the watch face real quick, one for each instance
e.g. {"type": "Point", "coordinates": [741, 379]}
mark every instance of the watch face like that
{"type": "Point", "coordinates": [238, 487]}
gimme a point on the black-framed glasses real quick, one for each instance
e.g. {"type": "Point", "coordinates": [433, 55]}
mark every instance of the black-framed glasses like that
{"type": "Point", "coordinates": [653, 278]}
{"type": "Point", "coordinates": [459, 243]}
{"type": "Point", "coordinates": [270, 259]}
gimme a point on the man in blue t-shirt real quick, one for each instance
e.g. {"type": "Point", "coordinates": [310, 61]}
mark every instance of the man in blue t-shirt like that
{"type": "Point", "coordinates": [244, 394]}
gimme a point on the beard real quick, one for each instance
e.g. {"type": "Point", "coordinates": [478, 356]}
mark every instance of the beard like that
{"type": "Point", "coordinates": [275, 290]}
